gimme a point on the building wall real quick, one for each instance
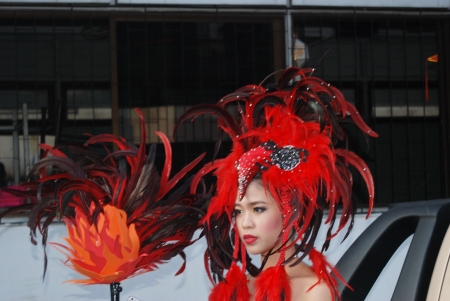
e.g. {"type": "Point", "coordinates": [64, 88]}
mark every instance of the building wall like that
{"type": "Point", "coordinates": [89, 70]}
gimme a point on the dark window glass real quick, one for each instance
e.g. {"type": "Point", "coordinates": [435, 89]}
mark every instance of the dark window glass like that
{"type": "Point", "coordinates": [380, 65]}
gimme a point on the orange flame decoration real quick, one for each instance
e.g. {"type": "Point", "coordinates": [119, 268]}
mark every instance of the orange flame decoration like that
{"type": "Point", "coordinates": [106, 252]}
{"type": "Point", "coordinates": [431, 59]}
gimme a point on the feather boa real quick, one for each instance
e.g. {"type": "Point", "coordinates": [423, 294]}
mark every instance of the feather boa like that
{"type": "Point", "coordinates": [273, 285]}
{"type": "Point", "coordinates": [233, 288]}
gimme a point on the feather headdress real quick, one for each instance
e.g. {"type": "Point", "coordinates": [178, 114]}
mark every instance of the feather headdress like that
{"type": "Point", "coordinates": [121, 219]}
{"type": "Point", "coordinates": [288, 134]}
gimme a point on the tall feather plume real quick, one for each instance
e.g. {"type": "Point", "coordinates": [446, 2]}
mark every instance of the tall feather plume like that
{"type": "Point", "coordinates": [302, 116]}
{"type": "Point", "coordinates": [94, 186]}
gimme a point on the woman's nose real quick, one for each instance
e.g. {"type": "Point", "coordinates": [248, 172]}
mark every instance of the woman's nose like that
{"type": "Point", "coordinates": [247, 221]}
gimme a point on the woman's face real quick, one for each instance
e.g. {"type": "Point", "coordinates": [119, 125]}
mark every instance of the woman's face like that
{"type": "Point", "coordinates": [258, 219]}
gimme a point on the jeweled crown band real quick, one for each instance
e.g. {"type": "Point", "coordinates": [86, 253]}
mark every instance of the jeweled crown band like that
{"type": "Point", "coordinates": [262, 157]}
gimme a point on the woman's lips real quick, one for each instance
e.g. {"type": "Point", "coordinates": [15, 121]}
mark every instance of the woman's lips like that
{"type": "Point", "coordinates": [250, 239]}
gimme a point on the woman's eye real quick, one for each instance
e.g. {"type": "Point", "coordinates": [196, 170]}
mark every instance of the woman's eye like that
{"type": "Point", "coordinates": [259, 209]}
{"type": "Point", "coordinates": [236, 212]}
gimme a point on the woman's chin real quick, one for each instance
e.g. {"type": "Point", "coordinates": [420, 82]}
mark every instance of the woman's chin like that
{"type": "Point", "coordinates": [253, 250]}
{"type": "Point", "coordinates": [256, 250]}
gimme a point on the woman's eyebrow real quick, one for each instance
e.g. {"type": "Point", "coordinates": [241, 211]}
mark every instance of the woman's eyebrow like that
{"type": "Point", "coordinates": [258, 203]}
{"type": "Point", "coordinates": [254, 203]}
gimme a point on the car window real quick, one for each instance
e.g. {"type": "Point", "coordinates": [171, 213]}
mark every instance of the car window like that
{"type": "Point", "coordinates": [384, 286]}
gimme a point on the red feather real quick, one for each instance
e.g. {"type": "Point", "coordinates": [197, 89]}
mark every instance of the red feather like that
{"type": "Point", "coordinates": [325, 271]}
{"type": "Point", "coordinates": [225, 119]}
{"type": "Point", "coordinates": [273, 285]}
{"type": "Point", "coordinates": [354, 114]}
{"type": "Point", "coordinates": [233, 288]}
{"type": "Point", "coordinates": [363, 169]}
{"type": "Point", "coordinates": [168, 164]}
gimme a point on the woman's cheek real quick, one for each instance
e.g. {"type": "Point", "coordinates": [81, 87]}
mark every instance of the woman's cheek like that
{"type": "Point", "coordinates": [274, 223]}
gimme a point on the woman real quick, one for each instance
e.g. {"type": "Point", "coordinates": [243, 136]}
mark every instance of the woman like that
{"type": "Point", "coordinates": [285, 154]}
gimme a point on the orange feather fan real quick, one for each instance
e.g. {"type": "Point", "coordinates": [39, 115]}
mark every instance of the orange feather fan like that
{"type": "Point", "coordinates": [121, 219]}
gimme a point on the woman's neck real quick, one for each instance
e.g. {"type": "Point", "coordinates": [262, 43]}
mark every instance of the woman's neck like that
{"type": "Point", "coordinates": [274, 258]}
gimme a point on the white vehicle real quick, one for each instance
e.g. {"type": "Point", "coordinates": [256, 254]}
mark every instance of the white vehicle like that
{"type": "Point", "coordinates": [425, 274]}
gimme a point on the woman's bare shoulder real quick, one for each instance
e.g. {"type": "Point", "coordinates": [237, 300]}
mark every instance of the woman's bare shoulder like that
{"type": "Point", "coordinates": [306, 288]}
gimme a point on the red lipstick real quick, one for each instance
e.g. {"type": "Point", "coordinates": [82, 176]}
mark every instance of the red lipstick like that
{"type": "Point", "coordinates": [249, 239]}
